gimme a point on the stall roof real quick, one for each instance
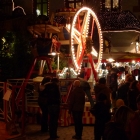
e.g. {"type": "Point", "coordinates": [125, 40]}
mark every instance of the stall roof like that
{"type": "Point", "coordinates": [121, 28]}
{"type": "Point", "coordinates": [122, 56]}
{"type": "Point", "coordinates": [123, 41]}
{"type": "Point", "coordinates": [42, 28]}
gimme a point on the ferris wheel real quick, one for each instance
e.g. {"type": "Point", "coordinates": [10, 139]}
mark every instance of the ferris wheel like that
{"type": "Point", "coordinates": [83, 26]}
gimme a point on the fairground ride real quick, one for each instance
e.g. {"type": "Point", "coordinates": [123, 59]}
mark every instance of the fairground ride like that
{"type": "Point", "coordinates": [84, 31]}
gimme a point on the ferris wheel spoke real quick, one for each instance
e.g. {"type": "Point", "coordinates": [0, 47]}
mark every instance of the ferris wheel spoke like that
{"type": "Point", "coordinates": [79, 50]}
{"type": "Point", "coordinates": [92, 27]}
{"type": "Point", "coordinates": [85, 25]}
{"type": "Point", "coordinates": [94, 52]}
{"type": "Point", "coordinates": [76, 32]}
{"type": "Point", "coordinates": [76, 39]}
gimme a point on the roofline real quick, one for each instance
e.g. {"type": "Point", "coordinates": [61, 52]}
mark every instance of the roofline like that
{"type": "Point", "coordinates": [121, 31]}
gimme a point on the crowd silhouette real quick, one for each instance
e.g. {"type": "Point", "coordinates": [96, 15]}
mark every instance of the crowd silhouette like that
{"type": "Point", "coordinates": [116, 108]}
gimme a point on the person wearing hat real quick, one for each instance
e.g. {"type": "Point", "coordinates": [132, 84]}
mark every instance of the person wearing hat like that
{"type": "Point", "coordinates": [112, 82]}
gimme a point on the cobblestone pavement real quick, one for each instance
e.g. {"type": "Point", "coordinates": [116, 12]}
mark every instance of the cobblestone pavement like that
{"type": "Point", "coordinates": [65, 133]}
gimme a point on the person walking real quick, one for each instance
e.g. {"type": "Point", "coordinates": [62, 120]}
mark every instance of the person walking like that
{"type": "Point", "coordinates": [42, 102]}
{"type": "Point", "coordinates": [76, 107]}
{"type": "Point", "coordinates": [53, 102]}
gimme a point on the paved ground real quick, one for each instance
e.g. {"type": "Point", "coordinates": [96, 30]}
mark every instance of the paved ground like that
{"type": "Point", "coordinates": [65, 133]}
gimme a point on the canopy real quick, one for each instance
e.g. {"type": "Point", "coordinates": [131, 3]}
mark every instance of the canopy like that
{"type": "Point", "coordinates": [42, 28]}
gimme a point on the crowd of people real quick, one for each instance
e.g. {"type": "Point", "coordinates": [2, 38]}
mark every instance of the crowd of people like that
{"type": "Point", "coordinates": [117, 107]}
{"type": "Point", "coordinates": [116, 110]}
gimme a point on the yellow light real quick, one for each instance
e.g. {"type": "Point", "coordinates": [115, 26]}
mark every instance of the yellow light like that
{"type": "Point", "coordinates": [110, 59]}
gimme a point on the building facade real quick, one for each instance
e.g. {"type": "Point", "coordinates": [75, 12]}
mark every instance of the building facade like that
{"type": "Point", "coordinates": [114, 15]}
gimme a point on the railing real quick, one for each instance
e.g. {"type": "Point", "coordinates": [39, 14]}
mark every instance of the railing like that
{"type": "Point", "coordinates": [16, 86]}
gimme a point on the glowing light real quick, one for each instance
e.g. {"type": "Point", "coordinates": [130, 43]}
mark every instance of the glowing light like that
{"type": "Point", "coordinates": [53, 53]}
{"type": "Point", "coordinates": [110, 59]}
{"type": "Point", "coordinates": [4, 40]}
{"type": "Point", "coordinates": [93, 52]}
{"type": "Point", "coordinates": [13, 7]}
{"type": "Point", "coordinates": [117, 64]}
{"type": "Point", "coordinates": [63, 71]}
{"type": "Point", "coordinates": [81, 37]}
{"type": "Point", "coordinates": [20, 8]}
{"type": "Point", "coordinates": [38, 12]}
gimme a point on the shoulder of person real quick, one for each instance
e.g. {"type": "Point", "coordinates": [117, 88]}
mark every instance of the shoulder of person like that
{"type": "Point", "coordinates": [48, 84]}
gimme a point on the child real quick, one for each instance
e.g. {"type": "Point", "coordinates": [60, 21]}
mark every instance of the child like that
{"type": "Point", "coordinates": [102, 116]}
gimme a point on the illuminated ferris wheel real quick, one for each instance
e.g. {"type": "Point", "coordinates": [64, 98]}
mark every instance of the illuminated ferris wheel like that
{"type": "Point", "coordinates": [84, 25]}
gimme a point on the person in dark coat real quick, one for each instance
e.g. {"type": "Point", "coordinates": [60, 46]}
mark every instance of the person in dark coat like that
{"type": "Point", "coordinates": [114, 132]}
{"type": "Point", "coordinates": [112, 81]}
{"type": "Point", "coordinates": [101, 87]}
{"type": "Point", "coordinates": [53, 102]}
{"type": "Point", "coordinates": [118, 127]}
{"type": "Point", "coordinates": [132, 95]}
{"type": "Point", "coordinates": [86, 87]}
{"type": "Point", "coordinates": [102, 116]}
{"type": "Point", "coordinates": [123, 89]}
{"type": "Point", "coordinates": [42, 102]}
{"type": "Point", "coordinates": [76, 107]}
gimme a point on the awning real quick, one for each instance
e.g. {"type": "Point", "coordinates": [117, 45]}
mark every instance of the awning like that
{"type": "Point", "coordinates": [122, 56]}
{"type": "Point", "coordinates": [122, 41]}
{"type": "Point", "coordinates": [42, 28]}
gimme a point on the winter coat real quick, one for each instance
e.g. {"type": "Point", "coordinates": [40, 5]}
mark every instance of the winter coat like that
{"type": "Point", "coordinates": [52, 93]}
{"type": "Point", "coordinates": [76, 100]}
{"type": "Point", "coordinates": [114, 132]}
{"type": "Point", "coordinates": [112, 80]}
{"type": "Point", "coordinates": [101, 113]}
{"type": "Point", "coordinates": [122, 92]}
{"type": "Point", "coordinates": [134, 128]}
{"type": "Point", "coordinates": [132, 95]}
{"type": "Point", "coordinates": [42, 99]}
{"type": "Point", "coordinates": [102, 88]}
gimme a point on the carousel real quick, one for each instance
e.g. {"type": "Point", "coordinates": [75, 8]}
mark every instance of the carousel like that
{"type": "Point", "coordinates": [80, 33]}
{"type": "Point", "coordinates": [76, 40]}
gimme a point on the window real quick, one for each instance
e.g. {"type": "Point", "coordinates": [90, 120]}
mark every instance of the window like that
{"type": "Point", "coordinates": [108, 4]}
{"type": "Point", "coordinates": [74, 3]}
{"type": "Point", "coordinates": [111, 4]}
{"type": "Point", "coordinates": [115, 3]}
{"type": "Point", "coordinates": [42, 7]}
